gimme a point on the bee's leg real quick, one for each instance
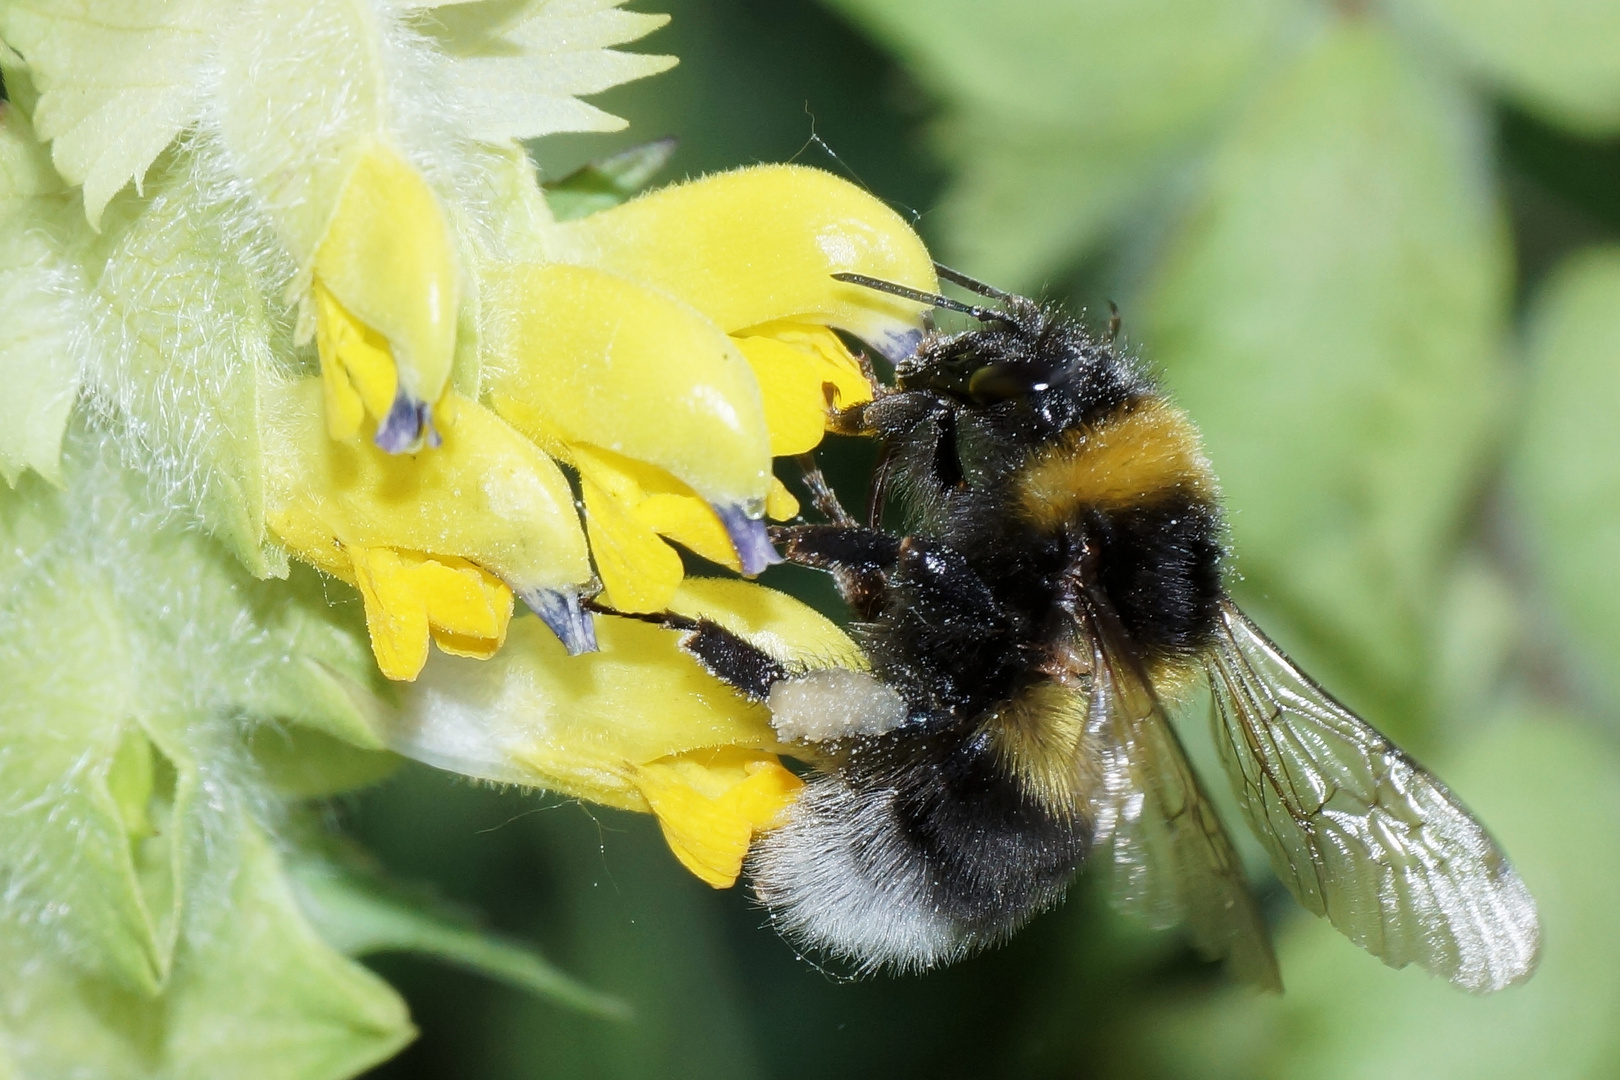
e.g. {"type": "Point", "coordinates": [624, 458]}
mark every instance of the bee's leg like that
{"type": "Point", "coordinates": [735, 661]}
{"type": "Point", "coordinates": [832, 547]}
{"type": "Point", "coordinates": [858, 559]}
{"type": "Point", "coordinates": [822, 496]}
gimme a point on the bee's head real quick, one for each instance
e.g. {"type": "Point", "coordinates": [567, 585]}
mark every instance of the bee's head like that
{"type": "Point", "coordinates": [1012, 357]}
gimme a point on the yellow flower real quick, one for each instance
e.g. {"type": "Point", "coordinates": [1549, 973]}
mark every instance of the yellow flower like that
{"type": "Point", "coordinates": [386, 293]}
{"type": "Point", "coordinates": [664, 351]}
{"type": "Point", "coordinates": [436, 542]}
{"type": "Point", "coordinates": [637, 725]}
{"type": "Point", "coordinates": [671, 346]}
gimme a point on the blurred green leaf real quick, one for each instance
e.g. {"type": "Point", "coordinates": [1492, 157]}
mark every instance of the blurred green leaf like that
{"type": "Point", "coordinates": [255, 995]}
{"type": "Point", "coordinates": [1551, 791]}
{"type": "Point", "coordinates": [1101, 67]}
{"type": "Point", "coordinates": [1558, 57]}
{"type": "Point", "coordinates": [1027, 200]}
{"type": "Point", "coordinates": [360, 912]}
{"type": "Point", "coordinates": [1060, 115]}
{"type": "Point", "coordinates": [1330, 316]}
{"type": "Point", "coordinates": [609, 181]}
{"type": "Point", "coordinates": [642, 928]}
{"type": "Point", "coordinates": [1568, 468]}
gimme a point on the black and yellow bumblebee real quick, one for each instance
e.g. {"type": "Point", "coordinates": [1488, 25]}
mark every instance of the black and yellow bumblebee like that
{"type": "Point", "coordinates": [1058, 577]}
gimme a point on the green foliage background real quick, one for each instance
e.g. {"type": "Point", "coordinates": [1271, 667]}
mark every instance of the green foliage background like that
{"type": "Point", "coordinates": [1371, 247]}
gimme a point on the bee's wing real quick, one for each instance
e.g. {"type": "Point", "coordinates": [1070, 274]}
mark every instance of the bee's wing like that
{"type": "Point", "coordinates": [1173, 860]}
{"type": "Point", "coordinates": [1358, 830]}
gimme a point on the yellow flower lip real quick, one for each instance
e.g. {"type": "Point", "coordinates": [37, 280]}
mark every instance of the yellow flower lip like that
{"type": "Point", "coordinates": [749, 536]}
{"type": "Point", "coordinates": [561, 610]}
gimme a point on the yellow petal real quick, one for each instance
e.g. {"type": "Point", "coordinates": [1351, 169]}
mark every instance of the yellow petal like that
{"type": "Point", "coordinates": [760, 245]}
{"type": "Point", "coordinates": [710, 803]}
{"type": "Point", "coordinates": [589, 358]}
{"type": "Point", "coordinates": [387, 258]}
{"type": "Point", "coordinates": [795, 404]}
{"type": "Point", "coordinates": [488, 495]}
{"type": "Point", "coordinates": [639, 571]}
{"type": "Point", "coordinates": [396, 617]}
{"type": "Point", "coordinates": [660, 502]}
{"type": "Point", "coordinates": [780, 504]}
{"type": "Point", "coordinates": [580, 726]}
{"type": "Point", "coordinates": [409, 596]}
{"type": "Point", "coordinates": [468, 609]}
{"type": "Point", "coordinates": [827, 356]}
{"type": "Point", "coordinates": [357, 368]}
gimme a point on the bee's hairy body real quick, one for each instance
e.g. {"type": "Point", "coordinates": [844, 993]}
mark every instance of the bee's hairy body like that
{"type": "Point", "coordinates": [973, 814]}
{"type": "Point", "coordinates": [1058, 574]}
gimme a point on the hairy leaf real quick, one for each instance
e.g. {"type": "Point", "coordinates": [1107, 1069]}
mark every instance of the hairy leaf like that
{"type": "Point", "coordinates": [117, 81]}
{"type": "Point", "coordinates": [44, 303]}
{"type": "Point", "coordinates": [518, 70]}
{"type": "Point", "coordinates": [130, 650]}
{"type": "Point", "coordinates": [255, 994]}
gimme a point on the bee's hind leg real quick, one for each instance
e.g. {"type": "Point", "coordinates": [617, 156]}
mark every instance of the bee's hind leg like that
{"type": "Point", "coordinates": [735, 661]}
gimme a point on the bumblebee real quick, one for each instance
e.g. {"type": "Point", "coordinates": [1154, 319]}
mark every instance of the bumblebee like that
{"type": "Point", "coordinates": [1059, 577]}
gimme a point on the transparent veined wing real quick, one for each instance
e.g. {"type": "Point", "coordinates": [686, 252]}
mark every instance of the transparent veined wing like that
{"type": "Point", "coordinates": [1173, 860]}
{"type": "Point", "coordinates": [1359, 831]}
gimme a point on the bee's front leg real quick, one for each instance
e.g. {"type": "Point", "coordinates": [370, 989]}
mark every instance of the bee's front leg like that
{"type": "Point", "coordinates": [858, 559]}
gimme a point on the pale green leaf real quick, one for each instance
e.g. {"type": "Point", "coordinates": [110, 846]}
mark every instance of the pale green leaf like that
{"type": "Point", "coordinates": [44, 303]}
{"type": "Point", "coordinates": [517, 70]}
{"type": "Point", "coordinates": [256, 995]}
{"type": "Point", "coordinates": [1550, 791]}
{"type": "Point", "coordinates": [266, 998]}
{"type": "Point", "coordinates": [133, 652]}
{"type": "Point", "coordinates": [1331, 316]}
{"type": "Point", "coordinates": [188, 344]}
{"type": "Point", "coordinates": [1568, 468]}
{"type": "Point", "coordinates": [82, 853]}
{"type": "Point", "coordinates": [117, 81]}
{"type": "Point", "coordinates": [294, 157]}
{"type": "Point", "coordinates": [1557, 57]}
{"type": "Point", "coordinates": [361, 913]}
{"type": "Point", "coordinates": [306, 763]}
{"type": "Point", "coordinates": [322, 674]}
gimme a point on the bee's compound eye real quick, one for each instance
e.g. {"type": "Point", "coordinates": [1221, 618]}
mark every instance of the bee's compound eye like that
{"type": "Point", "coordinates": [998, 382]}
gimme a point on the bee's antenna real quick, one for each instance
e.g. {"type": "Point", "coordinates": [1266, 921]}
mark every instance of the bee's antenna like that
{"type": "Point", "coordinates": [1115, 323]}
{"type": "Point", "coordinates": [956, 277]}
{"type": "Point", "coordinates": [931, 299]}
